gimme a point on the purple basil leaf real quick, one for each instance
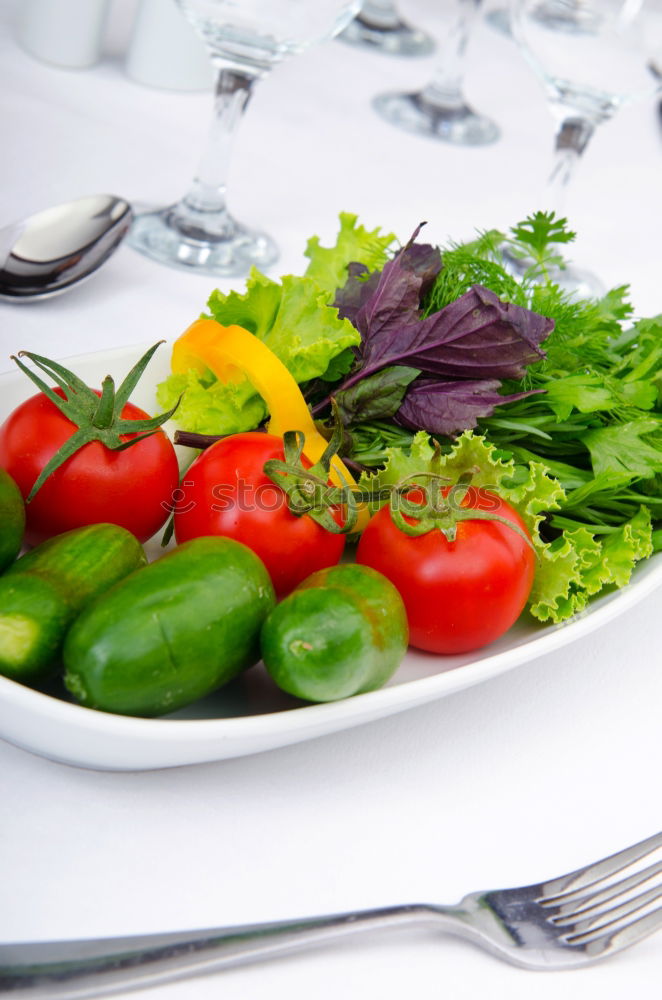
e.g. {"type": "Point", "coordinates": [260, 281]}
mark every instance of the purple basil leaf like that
{"type": "Point", "coordinates": [449, 408]}
{"type": "Point", "coordinates": [376, 397]}
{"type": "Point", "coordinates": [357, 290]}
{"type": "Point", "coordinates": [477, 336]}
{"type": "Point", "coordinates": [424, 260]}
{"type": "Point", "coordinates": [396, 300]}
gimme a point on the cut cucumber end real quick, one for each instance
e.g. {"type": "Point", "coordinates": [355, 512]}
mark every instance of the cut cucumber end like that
{"type": "Point", "coordinates": [25, 650]}
{"type": "Point", "coordinates": [18, 638]}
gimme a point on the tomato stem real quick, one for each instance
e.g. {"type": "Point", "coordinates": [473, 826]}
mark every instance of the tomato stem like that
{"type": "Point", "coordinates": [308, 490]}
{"type": "Point", "coordinates": [105, 410]}
{"type": "Point", "coordinates": [441, 508]}
{"type": "Point", "coordinates": [97, 417]}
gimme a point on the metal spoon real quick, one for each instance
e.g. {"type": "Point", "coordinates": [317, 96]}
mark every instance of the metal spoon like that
{"type": "Point", "coordinates": [52, 250]}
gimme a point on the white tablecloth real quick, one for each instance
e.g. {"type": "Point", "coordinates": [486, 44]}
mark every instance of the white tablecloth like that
{"type": "Point", "coordinates": [524, 777]}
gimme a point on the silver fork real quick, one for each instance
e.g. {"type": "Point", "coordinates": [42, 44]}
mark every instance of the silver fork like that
{"type": "Point", "coordinates": [565, 923]}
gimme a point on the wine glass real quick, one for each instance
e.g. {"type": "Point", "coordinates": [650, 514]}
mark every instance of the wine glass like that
{"type": "Point", "coordinates": [593, 58]}
{"type": "Point", "coordinates": [440, 109]}
{"type": "Point", "coordinates": [378, 26]}
{"type": "Point", "coordinates": [551, 12]}
{"type": "Point", "coordinates": [245, 40]}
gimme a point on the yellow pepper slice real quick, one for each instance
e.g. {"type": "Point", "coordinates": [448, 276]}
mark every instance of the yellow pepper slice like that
{"type": "Point", "coordinates": [231, 352]}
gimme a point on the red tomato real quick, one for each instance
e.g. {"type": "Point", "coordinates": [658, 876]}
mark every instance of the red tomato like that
{"type": "Point", "coordinates": [132, 488]}
{"type": "Point", "coordinates": [459, 595]}
{"type": "Point", "coordinates": [226, 492]}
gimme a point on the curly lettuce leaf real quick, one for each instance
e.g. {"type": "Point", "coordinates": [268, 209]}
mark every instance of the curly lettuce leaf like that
{"type": "Point", "coordinates": [593, 565]}
{"type": "Point", "coordinates": [255, 310]}
{"type": "Point", "coordinates": [557, 591]}
{"type": "Point", "coordinates": [354, 244]}
{"type": "Point", "coordinates": [212, 407]}
{"type": "Point", "coordinates": [295, 319]}
{"type": "Point", "coordinates": [292, 317]}
{"type": "Point", "coordinates": [530, 489]}
{"type": "Point", "coordinates": [628, 545]}
{"type": "Point", "coordinates": [307, 333]}
{"type": "Point", "coordinates": [571, 568]}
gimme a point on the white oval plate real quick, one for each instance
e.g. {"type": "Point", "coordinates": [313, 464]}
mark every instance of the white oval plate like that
{"type": "Point", "coordinates": [250, 715]}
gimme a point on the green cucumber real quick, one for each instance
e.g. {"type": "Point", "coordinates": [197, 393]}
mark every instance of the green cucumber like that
{"type": "Point", "coordinates": [342, 632]}
{"type": "Point", "coordinates": [46, 588]}
{"type": "Point", "coordinates": [85, 562]}
{"type": "Point", "coordinates": [172, 632]}
{"type": "Point", "coordinates": [34, 616]}
{"type": "Point", "coordinates": [12, 520]}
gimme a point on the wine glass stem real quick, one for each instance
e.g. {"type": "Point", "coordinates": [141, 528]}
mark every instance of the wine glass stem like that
{"type": "Point", "coordinates": [571, 140]}
{"type": "Point", "coordinates": [208, 191]}
{"type": "Point", "coordinates": [446, 87]}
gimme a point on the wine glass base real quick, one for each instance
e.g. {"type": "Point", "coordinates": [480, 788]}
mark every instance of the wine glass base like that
{"type": "Point", "coordinates": [399, 39]}
{"type": "Point", "coordinates": [460, 125]}
{"type": "Point", "coordinates": [574, 281]}
{"type": "Point", "coordinates": [554, 14]}
{"type": "Point", "coordinates": [231, 252]}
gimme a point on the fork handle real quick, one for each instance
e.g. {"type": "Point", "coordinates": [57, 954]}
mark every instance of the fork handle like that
{"type": "Point", "coordinates": [92, 968]}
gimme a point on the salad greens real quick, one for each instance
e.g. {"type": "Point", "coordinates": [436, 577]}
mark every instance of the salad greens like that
{"type": "Point", "coordinates": [557, 403]}
{"type": "Point", "coordinates": [475, 340]}
{"type": "Point", "coordinates": [293, 319]}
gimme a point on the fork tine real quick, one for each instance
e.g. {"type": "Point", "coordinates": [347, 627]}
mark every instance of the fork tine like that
{"type": "Point", "coordinates": [597, 924]}
{"type": "Point", "coordinates": [556, 890]}
{"type": "Point", "coordinates": [621, 938]}
{"type": "Point", "coordinates": [582, 902]}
